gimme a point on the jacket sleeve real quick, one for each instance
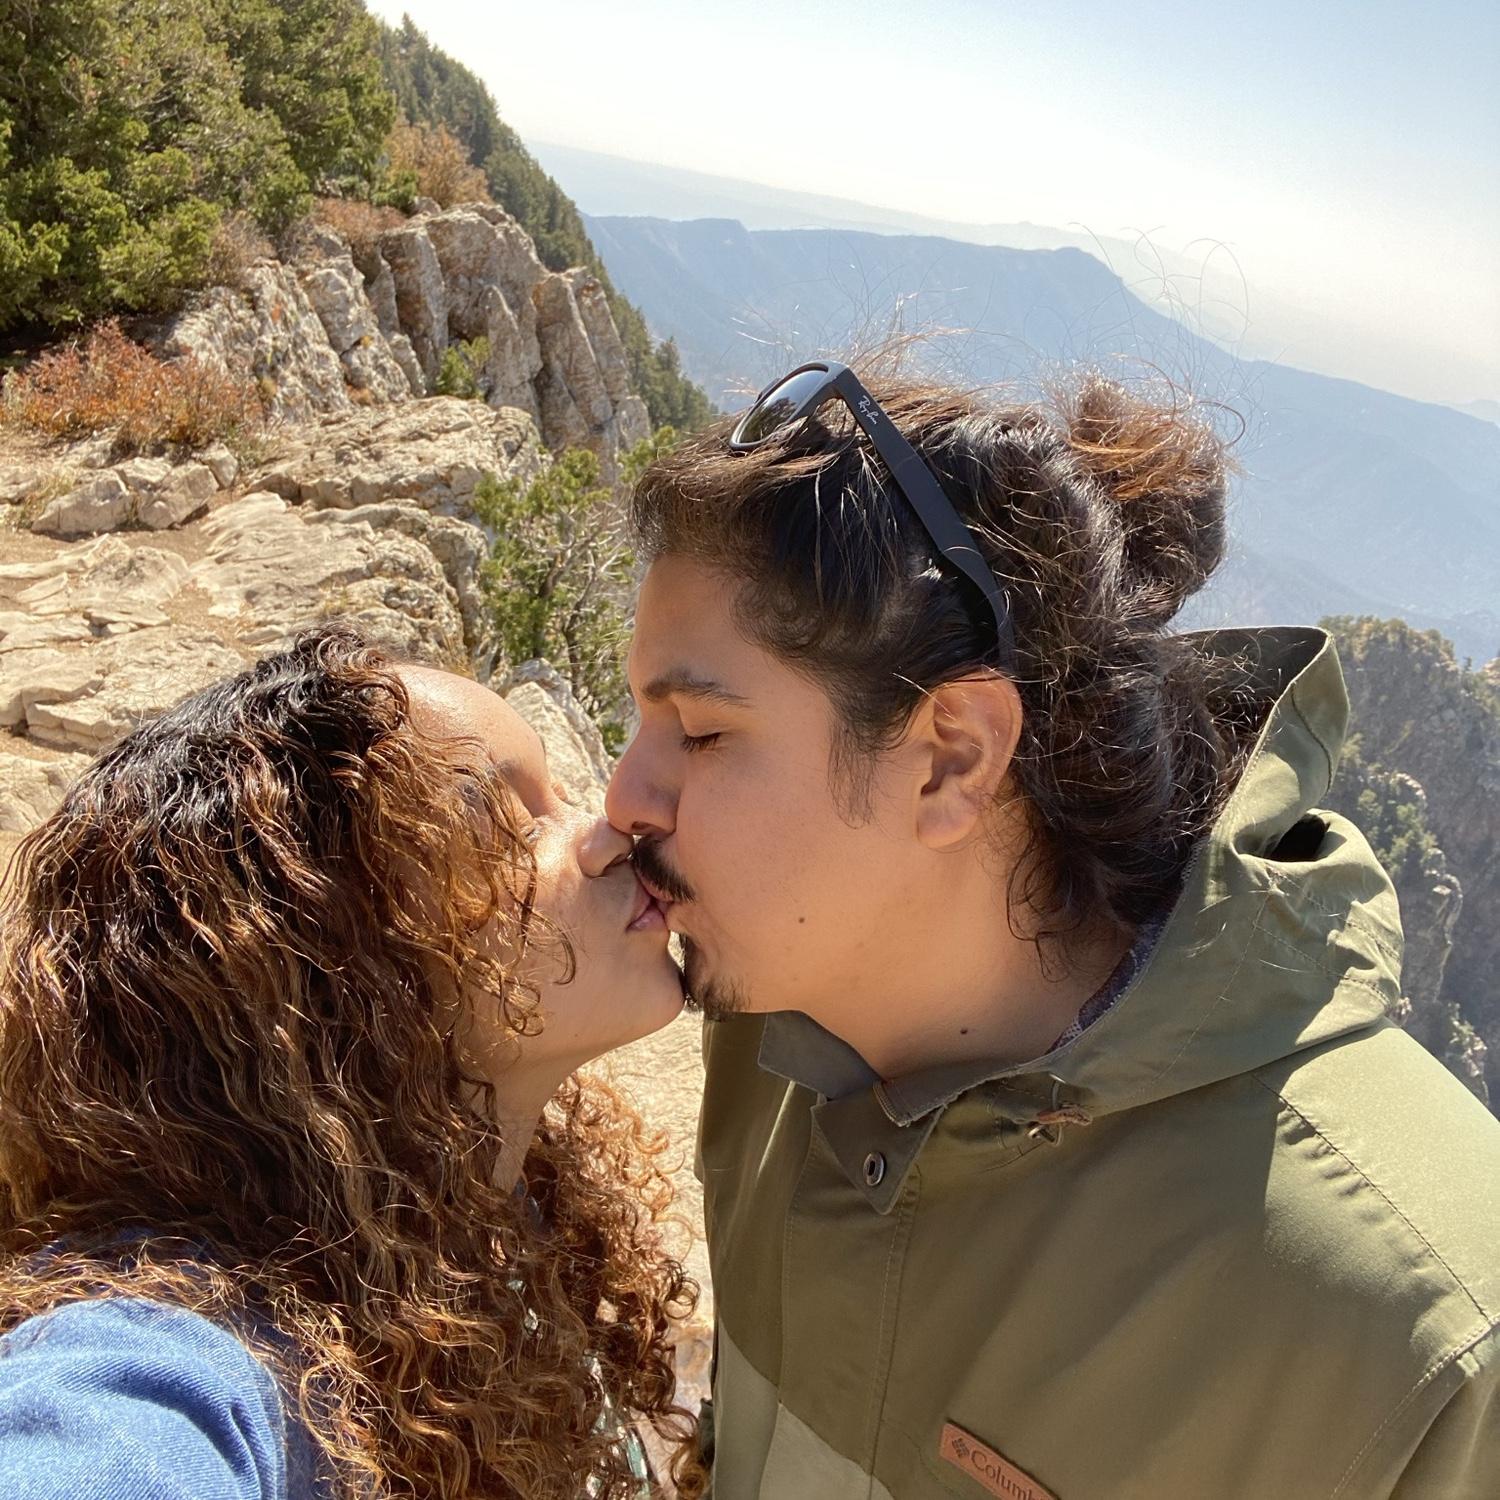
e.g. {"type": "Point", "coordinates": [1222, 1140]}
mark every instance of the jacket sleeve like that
{"type": "Point", "coordinates": [125, 1399]}
{"type": "Point", "coordinates": [1458, 1457]}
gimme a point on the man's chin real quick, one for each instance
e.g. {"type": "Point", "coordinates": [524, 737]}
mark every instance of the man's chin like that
{"type": "Point", "coordinates": [714, 995]}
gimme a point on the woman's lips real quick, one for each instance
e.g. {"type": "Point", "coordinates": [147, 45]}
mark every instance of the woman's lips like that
{"type": "Point", "coordinates": [648, 912]}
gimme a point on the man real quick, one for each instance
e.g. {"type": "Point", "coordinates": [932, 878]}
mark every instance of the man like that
{"type": "Point", "coordinates": [1055, 1139]}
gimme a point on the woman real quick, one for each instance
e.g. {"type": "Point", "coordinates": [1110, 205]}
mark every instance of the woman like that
{"type": "Point", "coordinates": [299, 1193]}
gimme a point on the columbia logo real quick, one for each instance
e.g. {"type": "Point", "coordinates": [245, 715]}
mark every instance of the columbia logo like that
{"type": "Point", "coordinates": [988, 1469]}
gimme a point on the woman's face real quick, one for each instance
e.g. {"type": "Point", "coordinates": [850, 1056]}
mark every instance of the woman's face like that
{"type": "Point", "coordinates": [625, 984]}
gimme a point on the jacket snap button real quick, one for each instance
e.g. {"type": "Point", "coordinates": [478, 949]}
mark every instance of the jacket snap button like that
{"type": "Point", "coordinates": [874, 1169]}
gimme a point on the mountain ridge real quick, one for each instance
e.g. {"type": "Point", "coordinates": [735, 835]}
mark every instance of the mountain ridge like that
{"type": "Point", "coordinates": [1202, 284]}
{"type": "Point", "coordinates": [1342, 480]}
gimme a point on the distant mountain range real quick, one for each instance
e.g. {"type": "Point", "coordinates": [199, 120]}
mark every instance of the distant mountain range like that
{"type": "Point", "coordinates": [1200, 284]}
{"type": "Point", "coordinates": [1488, 411]}
{"type": "Point", "coordinates": [1353, 500]}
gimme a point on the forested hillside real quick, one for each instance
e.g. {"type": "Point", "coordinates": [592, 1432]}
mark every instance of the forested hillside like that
{"type": "Point", "coordinates": [149, 147]}
{"type": "Point", "coordinates": [133, 132]}
{"type": "Point", "coordinates": [1420, 774]}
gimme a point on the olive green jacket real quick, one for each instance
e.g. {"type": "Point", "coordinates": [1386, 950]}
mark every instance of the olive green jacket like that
{"type": "Point", "coordinates": [1241, 1237]}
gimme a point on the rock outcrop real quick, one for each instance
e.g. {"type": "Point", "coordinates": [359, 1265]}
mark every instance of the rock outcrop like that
{"type": "Point", "coordinates": [432, 453]}
{"type": "Point", "coordinates": [328, 331]}
{"type": "Point", "coordinates": [575, 748]}
{"type": "Point", "coordinates": [365, 515]}
{"type": "Point", "coordinates": [151, 492]}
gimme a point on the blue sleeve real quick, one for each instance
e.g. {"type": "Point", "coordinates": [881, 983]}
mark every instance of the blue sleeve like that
{"type": "Point", "coordinates": [125, 1399]}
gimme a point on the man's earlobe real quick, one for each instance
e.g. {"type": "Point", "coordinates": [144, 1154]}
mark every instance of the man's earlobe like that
{"type": "Point", "coordinates": [967, 734]}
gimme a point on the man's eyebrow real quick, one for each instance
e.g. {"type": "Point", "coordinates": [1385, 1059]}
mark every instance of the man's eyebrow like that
{"type": "Point", "coordinates": [685, 683]}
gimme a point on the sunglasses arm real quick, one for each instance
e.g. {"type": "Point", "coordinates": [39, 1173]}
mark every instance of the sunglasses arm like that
{"type": "Point", "coordinates": [933, 507]}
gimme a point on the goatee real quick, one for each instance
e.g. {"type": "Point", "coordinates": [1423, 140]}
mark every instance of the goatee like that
{"type": "Point", "coordinates": [717, 999]}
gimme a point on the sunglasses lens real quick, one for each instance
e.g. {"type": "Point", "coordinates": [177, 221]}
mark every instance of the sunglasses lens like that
{"type": "Point", "coordinates": [781, 406]}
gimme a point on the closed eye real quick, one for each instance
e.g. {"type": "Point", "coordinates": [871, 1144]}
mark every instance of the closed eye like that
{"type": "Point", "coordinates": [695, 742]}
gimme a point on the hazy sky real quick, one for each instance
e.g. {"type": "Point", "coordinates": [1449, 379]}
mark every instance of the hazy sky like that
{"type": "Point", "coordinates": [1347, 152]}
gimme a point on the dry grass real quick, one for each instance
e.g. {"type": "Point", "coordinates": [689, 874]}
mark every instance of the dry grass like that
{"type": "Point", "coordinates": [361, 224]}
{"type": "Point", "coordinates": [237, 245]}
{"type": "Point", "coordinates": [112, 384]}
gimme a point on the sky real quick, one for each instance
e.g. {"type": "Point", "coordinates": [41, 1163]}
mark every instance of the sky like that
{"type": "Point", "coordinates": [1345, 153]}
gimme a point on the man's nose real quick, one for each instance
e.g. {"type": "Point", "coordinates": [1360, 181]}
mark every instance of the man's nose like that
{"type": "Point", "coordinates": [636, 801]}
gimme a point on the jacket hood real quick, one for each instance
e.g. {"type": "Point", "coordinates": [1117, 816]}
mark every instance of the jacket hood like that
{"type": "Point", "coordinates": [1285, 933]}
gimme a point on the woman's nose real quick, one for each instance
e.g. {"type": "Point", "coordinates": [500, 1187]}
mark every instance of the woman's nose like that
{"type": "Point", "coordinates": [603, 847]}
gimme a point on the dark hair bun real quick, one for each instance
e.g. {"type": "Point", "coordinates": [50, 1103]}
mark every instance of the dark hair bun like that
{"type": "Point", "coordinates": [1164, 470]}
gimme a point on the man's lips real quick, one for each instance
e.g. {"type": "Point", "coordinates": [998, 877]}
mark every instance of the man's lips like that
{"type": "Point", "coordinates": [657, 895]}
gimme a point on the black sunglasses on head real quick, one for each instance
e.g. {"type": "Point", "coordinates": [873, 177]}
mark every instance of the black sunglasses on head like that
{"type": "Point", "coordinates": [800, 393]}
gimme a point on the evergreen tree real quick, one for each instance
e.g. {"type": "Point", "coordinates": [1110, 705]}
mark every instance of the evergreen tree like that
{"type": "Point", "coordinates": [129, 128]}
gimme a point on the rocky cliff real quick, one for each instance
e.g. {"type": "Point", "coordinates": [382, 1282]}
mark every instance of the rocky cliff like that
{"type": "Point", "coordinates": [1422, 777]}
{"type": "Point", "coordinates": [125, 584]}
{"type": "Point", "coordinates": [338, 326]}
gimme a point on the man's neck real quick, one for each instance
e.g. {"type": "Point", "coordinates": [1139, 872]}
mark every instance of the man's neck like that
{"type": "Point", "coordinates": [999, 1006]}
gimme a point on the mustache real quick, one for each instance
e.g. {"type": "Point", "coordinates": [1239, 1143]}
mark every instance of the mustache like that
{"type": "Point", "coordinates": [652, 863]}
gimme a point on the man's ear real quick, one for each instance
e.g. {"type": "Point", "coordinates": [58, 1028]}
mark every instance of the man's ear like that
{"type": "Point", "coordinates": [964, 737]}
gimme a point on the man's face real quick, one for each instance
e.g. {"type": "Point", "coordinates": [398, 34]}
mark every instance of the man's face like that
{"type": "Point", "coordinates": [784, 902]}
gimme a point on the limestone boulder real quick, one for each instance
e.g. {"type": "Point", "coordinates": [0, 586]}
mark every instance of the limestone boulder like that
{"type": "Point", "coordinates": [85, 699]}
{"type": "Point", "coordinates": [575, 402]}
{"type": "Point", "coordinates": [25, 632]}
{"type": "Point", "coordinates": [101, 503]}
{"type": "Point", "coordinates": [432, 452]}
{"type": "Point", "coordinates": [87, 591]}
{"type": "Point", "coordinates": [43, 675]}
{"type": "Point", "coordinates": [574, 388]}
{"type": "Point", "coordinates": [575, 753]}
{"type": "Point", "coordinates": [18, 482]}
{"type": "Point", "coordinates": [491, 270]}
{"type": "Point", "coordinates": [270, 331]}
{"type": "Point", "coordinates": [150, 492]}
{"type": "Point", "coordinates": [31, 787]}
{"type": "Point", "coordinates": [421, 293]}
{"type": "Point", "coordinates": [460, 548]}
{"type": "Point", "coordinates": [604, 338]}
{"type": "Point", "coordinates": [337, 292]}
{"type": "Point", "coordinates": [272, 570]}
{"type": "Point", "coordinates": [222, 464]}
{"type": "Point", "coordinates": [512, 364]}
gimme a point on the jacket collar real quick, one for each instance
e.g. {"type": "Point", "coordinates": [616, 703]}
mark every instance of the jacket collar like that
{"type": "Point", "coordinates": [1274, 945]}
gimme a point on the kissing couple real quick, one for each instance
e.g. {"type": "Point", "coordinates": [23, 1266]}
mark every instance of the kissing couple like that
{"type": "Point", "coordinates": [1056, 1139]}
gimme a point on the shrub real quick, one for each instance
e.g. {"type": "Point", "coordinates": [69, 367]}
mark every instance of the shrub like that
{"type": "Point", "coordinates": [463, 364]}
{"type": "Point", "coordinates": [238, 244]}
{"type": "Point", "coordinates": [128, 131]}
{"type": "Point", "coordinates": [561, 573]}
{"type": "Point", "coordinates": [437, 164]}
{"type": "Point", "coordinates": [112, 384]}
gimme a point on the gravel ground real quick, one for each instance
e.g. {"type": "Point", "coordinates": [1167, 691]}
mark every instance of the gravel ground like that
{"type": "Point", "coordinates": [663, 1075]}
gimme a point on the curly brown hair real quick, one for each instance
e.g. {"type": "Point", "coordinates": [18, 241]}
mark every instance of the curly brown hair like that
{"type": "Point", "coordinates": [1100, 511]}
{"type": "Point", "coordinates": [230, 1079]}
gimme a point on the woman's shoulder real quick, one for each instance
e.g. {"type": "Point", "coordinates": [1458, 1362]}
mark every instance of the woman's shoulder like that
{"type": "Point", "coordinates": [123, 1396]}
